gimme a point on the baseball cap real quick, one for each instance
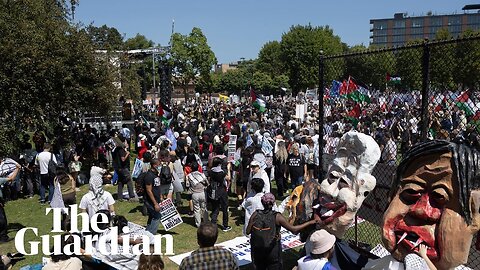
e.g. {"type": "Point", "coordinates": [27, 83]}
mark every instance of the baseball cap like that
{"type": "Point", "coordinates": [322, 241]}
{"type": "Point", "coordinates": [254, 163]}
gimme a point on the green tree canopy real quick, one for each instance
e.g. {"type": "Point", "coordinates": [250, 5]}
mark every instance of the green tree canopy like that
{"type": "Point", "coordinates": [105, 38]}
{"type": "Point", "coordinates": [301, 48]}
{"type": "Point", "coordinates": [192, 58]}
{"type": "Point", "coordinates": [269, 59]}
{"type": "Point", "coordinates": [138, 42]}
{"type": "Point", "coordinates": [49, 68]}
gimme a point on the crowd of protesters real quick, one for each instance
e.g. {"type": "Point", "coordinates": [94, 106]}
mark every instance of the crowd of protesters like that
{"type": "Point", "coordinates": [187, 158]}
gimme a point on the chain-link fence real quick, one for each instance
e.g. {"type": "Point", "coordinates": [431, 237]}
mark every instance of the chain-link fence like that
{"type": "Point", "coordinates": [400, 96]}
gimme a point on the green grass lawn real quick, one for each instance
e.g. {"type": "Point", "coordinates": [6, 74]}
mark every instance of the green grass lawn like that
{"type": "Point", "coordinates": [29, 213]}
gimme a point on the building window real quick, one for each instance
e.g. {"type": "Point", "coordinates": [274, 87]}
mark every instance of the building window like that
{"type": "Point", "coordinates": [417, 22]}
{"type": "Point", "coordinates": [454, 29]}
{"type": "Point", "coordinates": [473, 19]}
{"type": "Point", "coordinates": [398, 39]}
{"type": "Point", "coordinates": [454, 20]}
{"type": "Point", "coordinates": [399, 23]}
{"type": "Point", "coordinates": [435, 21]}
{"type": "Point", "coordinates": [416, 30]}
{"type": "Point", "coordinates": [377, 40]}
{"type": "Point", "coordinates": [380, 32]}
{"type": "Point", "coordinates": [400, 31]}
{"type": "Point", "coordinates": [434, 29]}
{"type": "Point", "coordinates": [417, 36]}
{"type": "Point", "coordinates": [380, 25]}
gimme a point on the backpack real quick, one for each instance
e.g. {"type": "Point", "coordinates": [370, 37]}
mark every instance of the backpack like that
{"type": "Point", "coordinates": [52, 166]}
{"type": "Point", "coordinates": [264, 231]}
{"type": "Point", "coordinates": [139, 183]}
{"type": "Point", "coordinates": [165, 174]}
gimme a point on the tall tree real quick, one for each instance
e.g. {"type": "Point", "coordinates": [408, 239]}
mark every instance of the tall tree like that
{"type": "Point", "coordinates": [49, 68]}
{"type": "Point", "coordinates": [441, 58]}
{"type": "Point", "coordinates": [138, 42]}
{"type": "Point", "coordinates": [301, 48]}
{"type": "Point", "coordinates": [105, 38]}
{"type": "Point", "coordinates": [192, 58]}
{"type": "Point", "coordinates": [467, 67]}
{"type": "Point", "coordinates": [269, 59]}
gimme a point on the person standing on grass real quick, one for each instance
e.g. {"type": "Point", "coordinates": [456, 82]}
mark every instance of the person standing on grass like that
{"type": "Point", "coordinates": [219, 182]}
{"type": "Point", "coordinates": [253, 202]}
{"type": "Point", "coordinates": [153, 196]}
{"type": "Point", "coordinates": [46, 180]}
{"type": "Point", "coordinates": [264, 230]}
{"type": "Point", "coordinates": [297, 168]}
{"type": "Point", "coordinates": [197, 183]}
{"type": "Point", "coordinates": [121, 163]}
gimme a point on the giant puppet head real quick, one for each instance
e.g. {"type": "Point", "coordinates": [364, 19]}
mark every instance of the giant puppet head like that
{"type": "Point", "coordinates": [435, 201]}
{"type": "Point", "coordinates": [335, 200]}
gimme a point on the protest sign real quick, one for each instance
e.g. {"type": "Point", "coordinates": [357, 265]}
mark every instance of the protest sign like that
{"type": "Point", "coordinates": [170, 216]}
{"type": "Point", "coordinates": [232, 147]}
{"type": "Point", "coordinates": [240, 247]}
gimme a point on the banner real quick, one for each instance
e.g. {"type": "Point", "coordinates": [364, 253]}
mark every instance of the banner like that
{"type": "Point", "coordinates": [170, 216]}
{"type": "Point", "coordinates": [240, 247]}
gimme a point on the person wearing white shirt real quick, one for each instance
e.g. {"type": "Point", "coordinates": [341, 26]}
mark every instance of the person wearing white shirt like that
{"type": "Point", "coordinates": [253, 202]}
{"type": "Point", "coordinates": [258, 172]}
{"type": "Point", "coordinates": [46, 180]}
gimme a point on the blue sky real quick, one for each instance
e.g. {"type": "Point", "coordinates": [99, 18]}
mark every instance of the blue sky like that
{"type": "Point", "coordinates": [237, 29]}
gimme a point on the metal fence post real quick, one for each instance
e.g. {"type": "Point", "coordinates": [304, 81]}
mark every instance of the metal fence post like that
{"type": "Point", "coordinates": [321, 115]}
{"type": "Point", "coordinates": [425, 88]}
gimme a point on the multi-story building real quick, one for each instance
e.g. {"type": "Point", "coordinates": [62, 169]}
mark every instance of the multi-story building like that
{"type": "Point", "coordinates": [401, 28]}
{"type": "Point", "coordinates": [222, 68]}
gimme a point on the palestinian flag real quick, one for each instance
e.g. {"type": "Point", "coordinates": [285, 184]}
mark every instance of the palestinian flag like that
{"type": "Point", "coordinates": [258, 101]}
{"type": "Point", "coordinates": [354, 114]}
{"type": "Point", "coordinates": [165, 114]}
{"type": "Point", "coordinates": [395, 79]}
{"type": "Point", "coordinates": [464, 103]}
{"type": "Point", "coordinates": [352, 90]}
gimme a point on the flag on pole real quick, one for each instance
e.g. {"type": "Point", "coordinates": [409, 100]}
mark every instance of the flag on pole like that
{"type": "Point", "coordinates": [165, 114]}
{"type": "Point", "coordinates": [464, 103]}
{"type": "Point", "coordinates": [352, 90]}
{"type": "Point", "coordinates": [395, 79]}
{"type": "Point", "coordinates": [258, 101]}
{"type": "Point", "coordinates": [335, 90]}
{"type": "Point", "coordinates": [145, 122]}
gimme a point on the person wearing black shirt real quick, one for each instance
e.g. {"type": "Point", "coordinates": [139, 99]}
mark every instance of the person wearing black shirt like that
{"type": "Point", "coordinates": [219, 182]}
{"type": "Point", "coordinates": [121, 163]}
{"type": "Point", "coordinates": [153, 196]}
{"type": "Point", "coordinates": [296, 167]}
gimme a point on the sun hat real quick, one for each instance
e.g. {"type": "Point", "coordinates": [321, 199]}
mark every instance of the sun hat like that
{"type": "Point", "coordinates": [322, 241]}
{"type": "Point", "coordinates": [254, 163]}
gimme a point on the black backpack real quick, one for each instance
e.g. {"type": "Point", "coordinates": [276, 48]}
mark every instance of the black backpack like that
{"type": "Point", "coordinates": [139, 183]}
{"type": "Point", "coordinates": [264, 231]}
{"type": "Point", "coordinates": [165, 174]}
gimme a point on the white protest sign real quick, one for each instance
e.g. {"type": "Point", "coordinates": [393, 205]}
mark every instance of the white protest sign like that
{"type": "Point", "coordinates": [240, 247]}
{"type": "Point", "coordinates": [232, 147]}
{"type": "Point", "coordinates": [170, 216]}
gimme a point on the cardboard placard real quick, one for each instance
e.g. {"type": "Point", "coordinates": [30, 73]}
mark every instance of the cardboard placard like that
{"type": "Point", "coordinates": [170, 217]}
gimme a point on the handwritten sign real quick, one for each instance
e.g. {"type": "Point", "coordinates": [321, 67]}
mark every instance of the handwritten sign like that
{"type": "Point", "coordinates": [170, 216]}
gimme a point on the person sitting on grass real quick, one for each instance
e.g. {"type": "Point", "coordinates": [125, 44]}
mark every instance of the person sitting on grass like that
{"type": "Point", "coordinates": [97, 199]}
{"type": "Point", "coordinates": [63, 261]}
{"type": "Point", "coordinates": [209, 256]}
